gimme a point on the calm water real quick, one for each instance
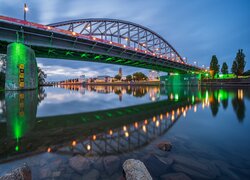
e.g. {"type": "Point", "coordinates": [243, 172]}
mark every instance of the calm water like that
{"type": "Point", "coordinates": [75, 132]}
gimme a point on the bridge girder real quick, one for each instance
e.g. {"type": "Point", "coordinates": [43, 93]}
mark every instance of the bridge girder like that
{"type": "Point", "coordinates": [123, 32]}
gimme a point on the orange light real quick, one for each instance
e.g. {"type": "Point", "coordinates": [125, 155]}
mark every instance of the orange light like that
{"type": "Point", "coordinates": [146, 121]}
{"type": "Point", "coordinates": [73, 33]}
{"type": "Point", "coordinates": [126, 134]}
{"type": "Point", "coordinates": [172, 118]}
{"type": "Point", "coordinates": [49, 150]}
{"type": "Point", "coordinates": [49, 27]}
{"type": "Point", "coordinates": [94, 137]}
{"type": "Point", "coordinates": [136, 49]}
{"type": "Point", "coordinates": [161, 117]}
{"type": "Point", "coordinates": [94, 38]}
{"type": "Point", "coordinates": [157, 123]}
{"type": "Point", "coordinates": [136, 125]}
{"type": "Point", "coordinates": [195, 108]}
{"type": "Point", "coordinates": [110, 132]}
{"type": "Point", "coordinates": [184, 113]}
{"type": "Point", "coordinates": [124, 46]}
{"type": "Point", "coordinates": [154, 119]}
{"type": "Point", "coordinates": [73, 143]}
{"type": "Point", "coordinates": [110, 42]}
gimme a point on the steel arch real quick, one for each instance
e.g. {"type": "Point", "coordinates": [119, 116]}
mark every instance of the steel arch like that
{"type": "Point", "coordinates": [123, 32]}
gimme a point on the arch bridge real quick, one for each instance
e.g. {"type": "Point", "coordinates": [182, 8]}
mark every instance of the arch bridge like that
{"type": "Point", "coordinates": [97, 40]}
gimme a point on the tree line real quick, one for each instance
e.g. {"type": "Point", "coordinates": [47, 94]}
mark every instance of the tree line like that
{"type": "Point", "coordinates": [237, 68]}
{"type": "Point", "coordinates": [138, 76]}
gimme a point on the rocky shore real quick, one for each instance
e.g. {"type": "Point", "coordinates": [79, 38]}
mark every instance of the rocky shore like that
{"type": "Point", "coordinates": [183, 161]}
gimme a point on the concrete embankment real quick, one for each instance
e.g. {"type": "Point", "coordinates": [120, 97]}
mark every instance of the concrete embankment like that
{"type": "Point", "coordinates": [226, 82]}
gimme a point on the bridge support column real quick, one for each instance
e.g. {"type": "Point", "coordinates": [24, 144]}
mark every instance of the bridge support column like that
{"type": "Point", "coordinates": [180, 80]}
{"type": "Point", "coordinates": [21, 68]}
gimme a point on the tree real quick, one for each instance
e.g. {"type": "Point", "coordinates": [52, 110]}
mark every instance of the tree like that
{"type": "Point", "coordinates": [2, 69]}
{"type": "Point", "coordinates": [214, 66]}
{"type": "Point", "coordinates": [3, 63]}
{"type": "Point", "coordinates": [2, 79]}
{"type": "Point", "coordinates": [118, 77]}
{"type": "Point", "coordinates": [234, 68]}
{"type": "Point", "coordinates": [224, 69]}
{"type": "Point", "coordinates": [239, 62]}
{"type": "Point", "coordinates": [129, 78]}
{"type": "Point", "coordinates": [138, 76]}
{"type": "Point", "coordinates": [41, 76]}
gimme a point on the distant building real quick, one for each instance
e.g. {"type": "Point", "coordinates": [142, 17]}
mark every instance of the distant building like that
{"type": "Point", "coordinates": [120, 72]}
{"type": "Point", "coordinates": [103, 79]}
{"type": "Point", "coordinates": [82, 79]}
{"type": "Point", "coordinates": [153, 75]}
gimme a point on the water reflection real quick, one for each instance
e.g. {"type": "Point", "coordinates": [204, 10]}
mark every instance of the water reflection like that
{"type": "Point", "coordinates": [107, 131]}
{"type": "Point", "coordinates": [136, 91]}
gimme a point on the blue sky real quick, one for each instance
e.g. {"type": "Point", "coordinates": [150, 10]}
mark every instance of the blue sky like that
{"type": "Point", "coordinates": [197, 29]}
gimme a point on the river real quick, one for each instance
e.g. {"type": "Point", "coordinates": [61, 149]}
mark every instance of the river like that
{"type": "Point", "coordinates": [75, 132]}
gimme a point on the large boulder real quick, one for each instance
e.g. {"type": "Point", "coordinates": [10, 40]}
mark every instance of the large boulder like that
{"type": "Point", "coordinates": [22, 173]}
{"type": "Point", "coordinates": [135, 170]}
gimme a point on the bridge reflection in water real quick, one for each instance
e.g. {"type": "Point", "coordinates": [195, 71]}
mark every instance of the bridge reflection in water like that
{"type": "Point", "coordinates": [103, 132]}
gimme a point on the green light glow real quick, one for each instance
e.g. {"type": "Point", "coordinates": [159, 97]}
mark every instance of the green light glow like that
{"type": "Point", "coordinates": [68, 53]}
{"type": "Point", "coordinates": [109, 59]}
{"type": "Point", "coordinates": [176, 97]}
{"type": "Point", "coordinates": [84, 55]}
{"type": "Point", "coordinates": [192, 99]}
{"type": "Point", "coordinates": [17, 148]}
{"type": "Point", "coordinates": [97, 57]}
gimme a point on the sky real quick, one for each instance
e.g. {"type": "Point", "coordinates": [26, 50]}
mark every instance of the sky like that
{"type": "Point", "coordinates": [197, 29]}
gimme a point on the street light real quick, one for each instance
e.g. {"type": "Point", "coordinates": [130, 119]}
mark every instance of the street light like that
{"type": "Point", "coordinates": [24, 11]}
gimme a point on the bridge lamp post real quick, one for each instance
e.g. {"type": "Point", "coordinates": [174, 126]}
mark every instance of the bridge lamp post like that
{"type": "Point", "coordinates": [25, 9]}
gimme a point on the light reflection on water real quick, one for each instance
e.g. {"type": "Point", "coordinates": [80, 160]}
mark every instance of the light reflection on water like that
{"type": "Point", "coordinates": [99, 123]}
{"type": "Point", "coordinates": [74, 99]}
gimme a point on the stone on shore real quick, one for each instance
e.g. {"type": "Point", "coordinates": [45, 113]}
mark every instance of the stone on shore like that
{"type": "Point", "coordinates": [111, 164]}
{"type": "Point", "coordinates": [93, 174]}
{"type": "Point", "coordinates": [135, 170]}
{"type": "Point", "coordinates": [22, 173]}
{"type": "Point", "coordinates": [79, 163]}
{"type": "Point", "coordinates": [165, 146]}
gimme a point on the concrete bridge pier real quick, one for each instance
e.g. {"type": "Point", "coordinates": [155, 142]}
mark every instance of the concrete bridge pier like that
{"type": "Point", "coordinates": [21, 68]}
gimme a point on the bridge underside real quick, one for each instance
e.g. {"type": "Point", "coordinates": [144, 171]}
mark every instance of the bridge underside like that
{"type": "Point", "coordinates": [44, 52]}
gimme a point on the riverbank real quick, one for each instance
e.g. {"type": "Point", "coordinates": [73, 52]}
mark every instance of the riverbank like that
{"type": "Point", "coordinates": [140, 83]}
{"type": "Point", "coordinates": [146, 83]}
{"type": "Point", "coordinates": [226, 82]}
